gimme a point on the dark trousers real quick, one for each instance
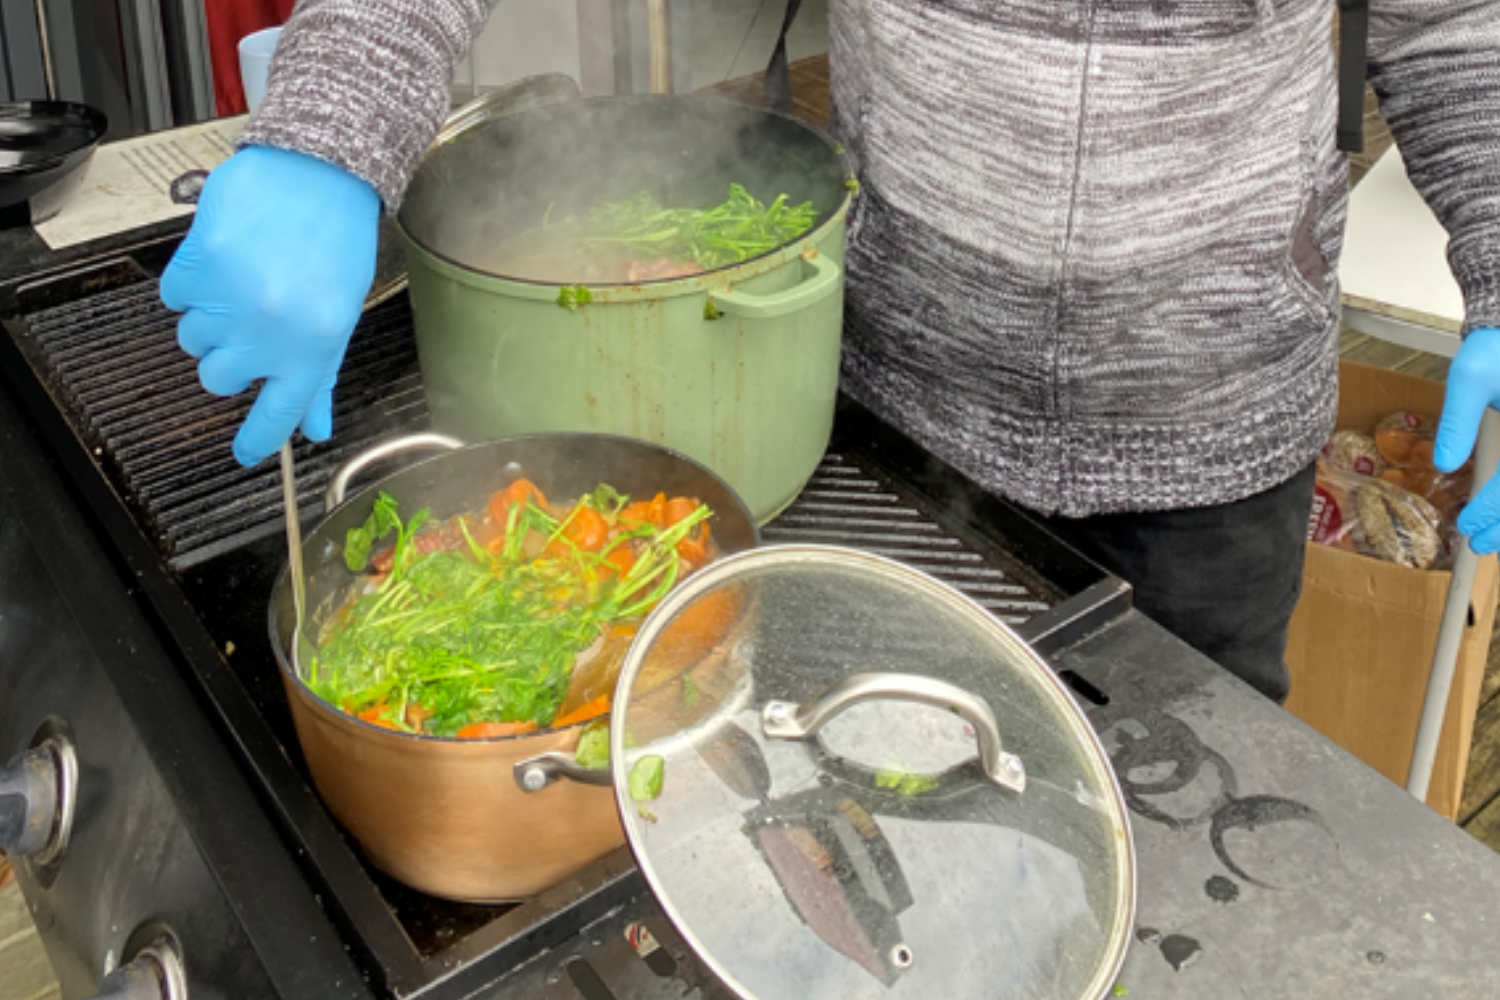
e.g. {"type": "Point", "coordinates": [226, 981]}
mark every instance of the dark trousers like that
{"type": "Point", "coordinates": [1223, 579]}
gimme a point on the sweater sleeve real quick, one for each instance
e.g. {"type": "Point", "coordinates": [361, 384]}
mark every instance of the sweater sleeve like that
{"type": "Point", "coordinates": [363, 84]}
{"type": "Point", "coordinates": [1435, 65]}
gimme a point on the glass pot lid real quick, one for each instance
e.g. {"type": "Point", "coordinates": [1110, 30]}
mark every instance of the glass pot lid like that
{"type": "Point", "coordinates": [841, 778]}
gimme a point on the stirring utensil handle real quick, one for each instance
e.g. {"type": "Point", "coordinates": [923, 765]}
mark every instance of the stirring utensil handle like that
{"type": "Point", "coordinates": [293, 528]}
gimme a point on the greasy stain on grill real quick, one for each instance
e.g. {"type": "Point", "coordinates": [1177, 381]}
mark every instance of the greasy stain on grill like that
{"type": "Point", "coordinates": [849, 503]}
{"type": "Point", "coordinates": [135, 400]}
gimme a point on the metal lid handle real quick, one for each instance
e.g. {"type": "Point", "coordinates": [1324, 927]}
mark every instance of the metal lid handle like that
{"type": "Point", "coordinates": [783, 720]}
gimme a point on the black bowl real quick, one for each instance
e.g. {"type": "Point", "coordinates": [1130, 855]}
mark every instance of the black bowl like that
{"type": "Point", "coordinates": [45, 149]}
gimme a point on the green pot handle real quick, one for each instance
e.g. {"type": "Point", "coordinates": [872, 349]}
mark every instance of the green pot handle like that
{"type": "Point", "coordinates": [814, 288]}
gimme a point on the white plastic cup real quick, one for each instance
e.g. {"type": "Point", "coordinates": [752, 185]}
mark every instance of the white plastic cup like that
{"type": "Point", "coordinates": [255, 64]}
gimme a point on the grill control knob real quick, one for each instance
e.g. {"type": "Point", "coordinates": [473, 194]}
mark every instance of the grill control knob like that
{"type": "Point", "coordinates": [36, 802]}
{"type": "Point", "coordinates": [155, 973]}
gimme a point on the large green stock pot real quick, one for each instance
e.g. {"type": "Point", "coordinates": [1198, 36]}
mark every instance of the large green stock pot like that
{"type": "Point", "coordinates": [736, 368]}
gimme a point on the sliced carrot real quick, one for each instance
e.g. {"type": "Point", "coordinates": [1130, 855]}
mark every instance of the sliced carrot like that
{"type": "Point", "coordinates": [586, 529]}
{"type": "Point", "coordinates": [652, 512]}
{"type": "Point", "coordinates": [678, 509]}
{"type": "Point", "coordinates": [695, 547]}
{"type": "Point", "coordinates": [583, 713]}
{"type": "Point", "coordinates": [516, 493]}
{"type": "Point", "coordinates": [621, 558]}
{"type": "Point", "coordinates": [701, 626]}
{"type": "Point", "coordinates": [490, 730]}
{"type": "Point", "coordinates": [377, 716]}
{"type": "Point", "coordinates": [589, 531]}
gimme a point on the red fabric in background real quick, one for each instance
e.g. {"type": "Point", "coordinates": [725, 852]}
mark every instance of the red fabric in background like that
{"type": "Point", "coordinates": [228, 22]}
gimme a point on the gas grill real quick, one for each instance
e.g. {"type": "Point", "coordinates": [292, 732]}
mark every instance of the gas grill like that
{"type": "Point", "coordinates": [136, 559]}
{"type": "Point", "coordinates": [93, 354]}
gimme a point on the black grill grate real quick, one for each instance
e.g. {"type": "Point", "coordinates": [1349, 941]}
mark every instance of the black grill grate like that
{"type": "Point", "coordinates": [848, 503]}
{"type": "Point", "coordinates": [135, 398]}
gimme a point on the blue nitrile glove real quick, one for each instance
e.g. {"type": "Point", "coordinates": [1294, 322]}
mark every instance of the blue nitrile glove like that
{"type": "Point", "coordinates": [271, 279]}
{"type": "Point", "coordinates": [1473, 386]}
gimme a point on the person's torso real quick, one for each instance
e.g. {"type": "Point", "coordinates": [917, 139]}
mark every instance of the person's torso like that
{"type": "Point", "coordinates": [1089, 212]}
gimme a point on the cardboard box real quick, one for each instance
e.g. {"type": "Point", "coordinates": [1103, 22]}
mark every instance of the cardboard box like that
{"type": "Point", "coordinates": [1364, 632]}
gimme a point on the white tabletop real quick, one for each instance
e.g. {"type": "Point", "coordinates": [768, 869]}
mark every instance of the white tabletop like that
{"type": "Point", "coordinates": [1394, 263]}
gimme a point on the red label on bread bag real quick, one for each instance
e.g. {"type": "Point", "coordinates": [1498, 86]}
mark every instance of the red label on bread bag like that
{"type": "Point", "coordinates": [1326, 522]}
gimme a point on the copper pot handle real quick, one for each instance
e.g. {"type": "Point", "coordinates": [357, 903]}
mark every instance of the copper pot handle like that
{"type": "Point", "coordinates": [338, 486]}
{"type": "Point", "coordinates": [536, 773]}
{"type": "Point", "coordinates": [781, 720]}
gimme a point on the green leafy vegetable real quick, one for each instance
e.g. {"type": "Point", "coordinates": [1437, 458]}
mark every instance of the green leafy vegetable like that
{"type": "Point", "coordinates": [904, 783]}
{"type": "Point", "coordinates": [593, 747]}
{"type": "Point", "coordinates": [740, 228]}
{"type": "Point", "coordinates": [646, 778]}
{"type": "Point", "coordinates": [607, 500]}
{"type": "Point", "coordinates": [573, 296]}
{"type": "Point", "coordinates": [711, 312]}
{"type": "Point", "coordinates": [1121, 991]}
{"type": "Point", "coordinates": [852, 185]}
{"type": "Point", "coordinates": [689, 691]}
{"type": "Point", "coordinates": [458, 634]}
{"type": "Point", "coordinates": [358, 542]}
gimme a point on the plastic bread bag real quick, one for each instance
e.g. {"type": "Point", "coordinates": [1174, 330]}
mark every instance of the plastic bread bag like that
{"type": "Point", "coordinates": [1353, 451]}
{"type": "Point", "coordinates": [1406, 439]}
{"type": "Point", "coordinates": [1448, 494]}
{"type": "Point", "coordinates": [1375, 518]}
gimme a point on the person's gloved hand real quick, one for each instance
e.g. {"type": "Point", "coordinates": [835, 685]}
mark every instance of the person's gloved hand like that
{"type": "Point", "coordinates": [271, 279]}
{"type": "Point", "coordinates": [1473, 386]}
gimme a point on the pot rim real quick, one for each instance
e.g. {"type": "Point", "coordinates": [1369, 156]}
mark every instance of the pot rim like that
{"type": "Point", "coordinates": [90, 117]}
{"type": "Point", "coordinates": [729, 273]}
{"type": "Point", "coordinates": [369, 729]}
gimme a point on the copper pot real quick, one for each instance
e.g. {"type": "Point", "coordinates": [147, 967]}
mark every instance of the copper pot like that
{"type": "Point", "coordinates": [452, 818]}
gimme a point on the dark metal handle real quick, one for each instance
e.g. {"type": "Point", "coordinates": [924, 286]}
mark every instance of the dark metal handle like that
{"type": "Point", "coordinates": [782, 720]}
{"type": "Point", "coordinates": [522, 95]}
{"type": "Point", "coordinates": [154, 974]}
{"type": "Point", "coordinates": [536, 773]}
{"type": "Point", "coordinates": [338, 486]}
{"type": "Point", "coordinates": [28, 803]}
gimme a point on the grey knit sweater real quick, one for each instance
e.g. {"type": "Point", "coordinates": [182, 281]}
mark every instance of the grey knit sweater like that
{"type": "Point", "coordinates": [1094, 260]}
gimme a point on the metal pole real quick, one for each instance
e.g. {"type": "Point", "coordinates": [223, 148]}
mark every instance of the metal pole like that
{"type": "Point", "coordinates": [42, 36]}
{"type": "Point", "coordinates": [1455, 617]}
{"type": "Point", "coordinates": [658, 15]}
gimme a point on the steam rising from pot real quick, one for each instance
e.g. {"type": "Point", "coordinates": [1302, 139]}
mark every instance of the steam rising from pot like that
{"type": "Point", "coordinates": [476, 194]}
